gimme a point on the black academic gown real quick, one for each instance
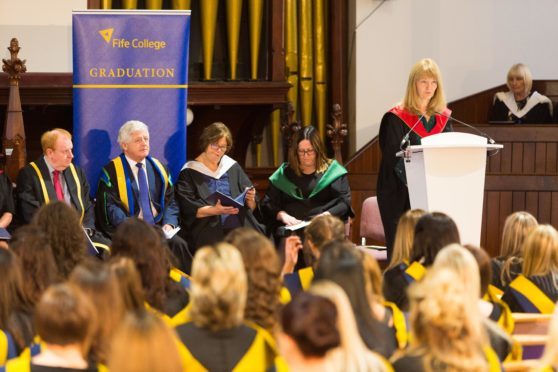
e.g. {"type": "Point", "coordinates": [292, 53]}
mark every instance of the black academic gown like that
{"type": "Point", "coordinates": [191, 193]}
{"type": "Point", "coordinates": [392, 192]}
{"type": "Point", "coordinates": [541, 113]}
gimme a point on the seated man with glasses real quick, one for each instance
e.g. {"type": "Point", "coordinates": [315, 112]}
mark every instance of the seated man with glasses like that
{"type": "Point", "coordinates": [307, 186]}
{"type": "Point", "coordinates": [206, 221]}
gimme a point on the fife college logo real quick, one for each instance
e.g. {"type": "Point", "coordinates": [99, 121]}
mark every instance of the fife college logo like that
{"type": "Point", "coordinates": [122, 43]}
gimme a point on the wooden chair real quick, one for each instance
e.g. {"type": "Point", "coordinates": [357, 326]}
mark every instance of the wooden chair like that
{"type": "Point", "coordinates": [531, 332]}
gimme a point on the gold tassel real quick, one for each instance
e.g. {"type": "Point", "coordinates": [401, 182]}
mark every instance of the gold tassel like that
{"type": "Point", "coordinates": [234, 14]}
{"type": "Point", "coordinates": [256, 13]}
{"type": "Point", "coordinates": [129, 4]}
{"type": "Point", "coordinates": [106, 4]}
{"type": "Point", "coordinates": [291, 52]}
{"type": "Point", "coordinates": [320, 66]}
{"type": "Point", "coordinates": [181, 4]}
{"type": "Point", "coordinates": [154, 4]}
{"type": "Point", "coordinates": [275, 135]}
{"type": "Point", "coordinates": [305, 60]}
{"type": "Point", "coordinates": [208, 10]}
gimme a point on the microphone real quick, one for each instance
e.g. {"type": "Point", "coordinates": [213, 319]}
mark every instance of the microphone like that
{"type": "Point", "coordinates": [489, 139]}
{"type": "Point", "coordinates": [405, 139]}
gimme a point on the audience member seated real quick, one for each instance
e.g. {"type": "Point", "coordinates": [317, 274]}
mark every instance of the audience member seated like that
{"type": "Point", "coordinates": [322, 230]}
{"type": "Point", "coordinates": [352, 354]}
{"type": "Point", "coordinates": [508, 265]}
{"type": "Point", "coordinates": [54, 177]}
{"type": "Point", "coordinates": [446, 330]}
{"type": "Point", "coordinates": [263, 273]}
{"type": "Point", "coordinates": [340, 263]}
{"type": "Point", "coordinates": [7, 208]}
{"type": "Point", "coordinates": [433, 232]}
{"type": "Point", "coordinates": [535, 290]}
{"type": "Point", "coordinates": [136, 239]}
{"type": "Point", "coordinates": [458, 259]}
{"type": "Point", "coordinates": [60, 223]}
{"type": "Point", "coordinates": [99, 284]}
{"type": "Point", "coordinates": [129, 283]}
{"type": "Point", "coordinates": [520, 105]}
{"type": "Point", "coordinates": [309, 329]}
{"type": "Point", "coordinates": [402, 246]}
{"type": "Point", "coordinates": [217, 339]}
{"type": "Point", "coordinates": [497, 310]}
{"type": "Point", "coordinates": [32, 247]}
{"type": "Point", "coordinates": [387, 312]}
{"type": "Point", "coordinates": [65, 321]}
{"type": "Point", "coordinates": [308, 185]}
{"type": "Point", "coordinates": [16, 307]}
{"type": "Point", "coordinates": [135, 184]}
{"type": "Point", "coordinates": [204, 221]}
{"type": "Point", "coordinates": [144, 343]}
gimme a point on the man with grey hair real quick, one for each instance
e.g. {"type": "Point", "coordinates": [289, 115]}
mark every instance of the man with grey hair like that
{"type": "Point", "coordinates": [135, 184]}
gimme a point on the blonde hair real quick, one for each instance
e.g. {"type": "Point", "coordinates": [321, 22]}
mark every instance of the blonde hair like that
{"type": "Point", "coordinates": [324, 229]}
{"type": "Point", "coordinates": [372, 278]}
{"type": "Point", "coordinates": [404, 237]}
{"type": "Point", "coordinates": [516, 228]}
{"type": "Point", "coordinates": [48, 139]}
{"type": "Point", "coordinates": [129, 283]}
{"type": "Point", "coordinates": [144, 343]}
{"type": "Point", "coordinates": [540, 248]}
{"type": "Point", "coordinates": [352, 355]}
{"type": "Point", "coordinates": [445, 323]}
{"type": "Point", "coordinates": [219, 287]}
{"type": "Point", "coordinates": [424, 68]}
{"type": "Point", "coordinates": [522, 71]}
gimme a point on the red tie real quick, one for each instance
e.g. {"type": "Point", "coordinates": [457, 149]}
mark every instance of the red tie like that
{"type": "Point", "coordinates": [57, 185]}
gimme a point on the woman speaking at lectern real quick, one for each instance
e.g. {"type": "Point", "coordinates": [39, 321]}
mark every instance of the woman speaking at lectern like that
{"type": "Point", "coordinates": [422, 113]}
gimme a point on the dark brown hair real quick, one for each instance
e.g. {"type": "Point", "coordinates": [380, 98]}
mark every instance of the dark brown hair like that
{"type": "Point", "coordinates": [213, 133]}
{"type": "Point", "coordinates": [16, 306]}
{"type": "Point", "coordinates": [311, 134]}
{"type": "Point", "coordinates": [136, 239]}
{"type": "Point", "coordinates": [433, 232]}
{"type": "Point", "coordinates": [263, 273]}
{"type": "Point", "coordinates": [61, 224]}
{"type": "Point", "coordinates": [32, 247]}
{"type": "Point", "coordinates": [311, 321]}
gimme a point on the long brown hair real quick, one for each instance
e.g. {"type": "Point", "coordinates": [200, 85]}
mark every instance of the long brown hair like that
{"type": "Point", "coordinates": [263, 273]}
{"type": "Point", "coordinates": [61, 224]}
{"type": "Point", "coordinates": [311, 134]}
{"type": "Point", "coordinates": [32, 247]}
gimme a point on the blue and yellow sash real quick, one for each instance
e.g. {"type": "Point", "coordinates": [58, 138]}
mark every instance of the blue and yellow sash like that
{"type": "Point", "coordinates": [414, 272]}
{"type": "Point", "coordinates": [7, 347]}
{"type": "Point", "coordinates": [399, 324]}
{"type": "Point", "coordinates": [181, 278]}
{"type": "Point", "coordinates": [530, 297]}
{"type": "Point", "coordinates": [504, 318]}
{"type": "Point", "coordinates": [299, 281]}
{"type": "Point", "coordinates": [124, 179]}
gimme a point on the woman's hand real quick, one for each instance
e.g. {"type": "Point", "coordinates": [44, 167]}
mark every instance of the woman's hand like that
{"type": "Point", "coordinates": [250, 198]}
{"type": "Point", "coordinates": [293, 244]}
{"type": "Point", "coordinates": [215, 210]}
{"type": "Point", "coordinates": [287, 219]}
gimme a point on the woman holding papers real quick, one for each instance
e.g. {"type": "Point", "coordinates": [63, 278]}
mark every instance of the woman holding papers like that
{"type": "Point", "coordinates": [422, 113]}
{"type": "Point", "coordinates": [519, 105]}
{"type": "Point", "coordinates": [213, 193]}
{"type": "Point", "coordinates": [308, 185]}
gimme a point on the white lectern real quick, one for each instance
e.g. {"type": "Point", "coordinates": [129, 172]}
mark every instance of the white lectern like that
{"type": "Point", "coordinates": [446, 174]}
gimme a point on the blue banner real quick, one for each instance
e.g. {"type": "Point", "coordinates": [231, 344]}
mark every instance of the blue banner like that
{"type": "Point", "coordinates": [129, 65]}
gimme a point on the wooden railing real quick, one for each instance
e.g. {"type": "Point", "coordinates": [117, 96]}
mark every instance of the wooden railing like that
{"type": "Point", "coordinates": [521, 176]}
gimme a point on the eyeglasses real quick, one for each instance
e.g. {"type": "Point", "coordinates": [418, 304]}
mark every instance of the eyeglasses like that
{"type": "Point", "coordinates": [216, 147]}
{"type": "Point", "coordinates": [306, 152]}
